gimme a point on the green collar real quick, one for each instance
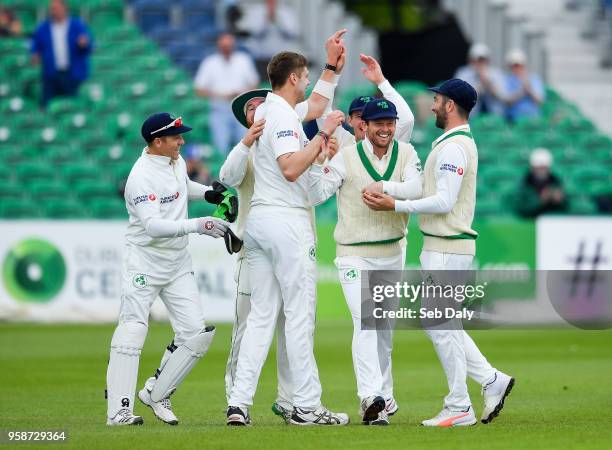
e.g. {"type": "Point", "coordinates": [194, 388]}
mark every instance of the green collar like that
{"type": "Point", "coordinates": [368, 164]}
{"type": "Point", "coordinates": [453, 134]}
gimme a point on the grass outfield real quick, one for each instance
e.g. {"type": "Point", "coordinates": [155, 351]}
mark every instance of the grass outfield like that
{"type": "Point", "coordinates": [53, 377]}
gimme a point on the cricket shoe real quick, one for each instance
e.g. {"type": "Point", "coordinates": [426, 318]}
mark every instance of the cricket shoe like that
{"type": "Point", "coordinates": [494, 394]}
{"type": "Point", "coordinates": [381, 420]}
{"type": "Point", "coordinates": [319, 416]}
{"type": "Point", "coordinates": [370, 407]}
{"type": "Point", "coordinates": [124, 417]}
{"type": "Point", "coordinates": [391, 406]}
{"type": "Point", "coordinates": [280, 411]}
{"type": "Point", "coordinates": [448, 418]}
{"type": "Point", "coordinates": [162, 409]}
{"type": "Point", "coordinates": [237, 416]}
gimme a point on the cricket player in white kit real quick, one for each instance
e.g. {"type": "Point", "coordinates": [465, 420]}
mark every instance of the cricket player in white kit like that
{"type": "Point", "coordinates": [279, 239]}
{"type": "Point", "coordinates": [445, 213]}
{"type": "Point", "coordinates": [370, 240]}
{"type": "Point", "coordinates": [237, 171]}
{"type": "Point", "coordinates": [157, 263]}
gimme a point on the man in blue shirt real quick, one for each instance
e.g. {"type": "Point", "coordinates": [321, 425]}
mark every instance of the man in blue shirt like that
{"type": "Point", "coordinates": [62, 45]}
{"type": "Point", "coordinates": [524, 90]}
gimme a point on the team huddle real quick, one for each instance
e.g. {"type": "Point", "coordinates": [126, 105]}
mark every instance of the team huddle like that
{"type": "Point", "coordinates": [280, 175]}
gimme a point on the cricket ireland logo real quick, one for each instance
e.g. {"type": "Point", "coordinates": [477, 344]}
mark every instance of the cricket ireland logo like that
{"type": "Point", "coordinates": [351, 274]}
{"type": "Point", "coordinates": [34, 271]}
{"type": "Point", "coordinates": [312, 253]}
{"type": "Point", "coordinates": [140, 281]}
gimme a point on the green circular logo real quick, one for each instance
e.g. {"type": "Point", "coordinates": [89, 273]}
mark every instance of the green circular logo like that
{"type": "Point", "coordinates": [34, 271]}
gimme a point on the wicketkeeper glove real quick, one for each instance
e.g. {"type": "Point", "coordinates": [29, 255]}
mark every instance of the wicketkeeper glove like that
{"type": "Point", "coordinates": [233, 243]}
{"type": "Point", "coordinates": [212, 226]}
{"type": "Point", "coordinates": [227, 203]}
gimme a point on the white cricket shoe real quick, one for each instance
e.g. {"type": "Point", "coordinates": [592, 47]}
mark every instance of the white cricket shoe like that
{"type": "Point", "coordinates": [162, 409]}
{"type": "Point", "coordinates": [391, 406]}
{"type": "Point", "coordinates": [370, 407]}
{"type": "Point", "coordinates": [494, 395]}
{"type": "Point", "coordinates": [237, 416]}
{"type": "Point", "coordinates": [319, 416]}
{"type": "Point", "coordinates": [124, 417]}
{"type": "Point", "coordinates": [448, 418]}
{"type": "Point", "coordinates": [281, 411]}
{"type": "Point", "coordinates": [381, 420]}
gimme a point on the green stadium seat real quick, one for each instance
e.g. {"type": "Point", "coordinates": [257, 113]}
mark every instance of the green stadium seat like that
{"type": "Point", "coordinates": [603, 156]}
{"type": "Point", "coordinates": [64, 209]}
{"type": "Point", "coordinates": [10, 190]}
{"type": "Point", "coordinates": [74, 172]}
{"type": "Point", "coordinates": [17, 154]}
{"type": "Point", "coordinates": [87, 190]}
{"type": "Point", "coordinates": [31, 171]}
{"type": "Point", "coordinates": [41, 191]}
{"type": "Point", "coordinates": [582, 205]}
{"type": "Point", "coordinates": [121, 172]}
{"type": "Point", "coordinates": [109, 208]}
{"type": "Point", "coordinates": [59, 154]}
{"type": "Point", "coordinates": [19, 209]}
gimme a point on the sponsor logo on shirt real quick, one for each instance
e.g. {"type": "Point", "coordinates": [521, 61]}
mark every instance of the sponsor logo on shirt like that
{"type": "Point", "coordinates": [452, 168]}
{"type": "Point", "coordinates": [143, 198]}
{"type": "Point", "coordinates": [168, 198]}
{"type": "Point", "coordinates": [326, 169]}
{"type": "Point", "coordinates": [287, 133]}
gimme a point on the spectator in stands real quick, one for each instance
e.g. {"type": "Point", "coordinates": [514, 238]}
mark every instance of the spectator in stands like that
{"type": "Point", "coordinates": [221, 77]}
{"type": "Point", "coordinates": [62, 45]}
{"type": "Point", "coordinates": [524, 90]}
{"type": "Point", "coordinates": [196, 170]}
{"type": "Point", "coordinates": [10, 26]}
{"type": "Point", "coordinates": [272, 28]}
{"type": "Point", "coordinates": [541, 191]}
{"type": "Point", "coordinates": [486, 79]}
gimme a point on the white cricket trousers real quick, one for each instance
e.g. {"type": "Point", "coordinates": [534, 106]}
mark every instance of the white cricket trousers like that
{"type": "Point", "coordinates": [141, 285]}
{"type": "Point", "coordinates": [242, 309]}
{"type": "Point", "coordinates": [371, 349]}
{"type": "Point", "coordinates": [280, 249]}
{"type": "Point", "coordinates": [458, 354]}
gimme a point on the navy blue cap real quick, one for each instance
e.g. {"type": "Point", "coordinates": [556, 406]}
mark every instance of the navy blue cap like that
{"type": "Point", "coordinates": [461, 92]}
{"type": "Point", "coordinates": [155, 126]}
{"type": "Point", "coordinates": [359, 103]}
{"type": "Point", "coordinates": [379, 108]}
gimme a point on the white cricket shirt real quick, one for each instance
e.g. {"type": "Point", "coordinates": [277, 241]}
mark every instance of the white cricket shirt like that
{"type": "Point", "coordinates": [282, 134]}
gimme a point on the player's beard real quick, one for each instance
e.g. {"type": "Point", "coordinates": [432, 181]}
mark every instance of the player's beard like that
{"type": "Point", "coordinates": [441, 119]}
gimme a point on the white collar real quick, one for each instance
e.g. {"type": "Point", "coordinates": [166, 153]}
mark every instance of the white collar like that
{"type": "Point", "coordinates": [367, 145]}
{"type": "Point", "coordinates": [280, 101]}
{"type": "Point", "coordinates": [464, 127]}
{"type": "Point", "coordinates": [159, 160]}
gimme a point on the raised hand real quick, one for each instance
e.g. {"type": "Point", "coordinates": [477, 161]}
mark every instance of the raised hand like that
{"type": "Point", "coordinates": [332, 147]}
{"type": "Point", "coordinates": [332, 121]}
{"type": "Point", "coordinates": [334, 47]}
{"type": "Point", "coordinates": [254, 132]}
{"type": "Point", "coordinates": [372, 70]}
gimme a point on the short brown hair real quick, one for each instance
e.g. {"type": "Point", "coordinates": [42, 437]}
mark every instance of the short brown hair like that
{"type": "Point", "coordinates": [284, 64]}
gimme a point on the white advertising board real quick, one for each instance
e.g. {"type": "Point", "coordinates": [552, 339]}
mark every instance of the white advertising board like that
{"type": "Point", "coordinates": [70, 271]}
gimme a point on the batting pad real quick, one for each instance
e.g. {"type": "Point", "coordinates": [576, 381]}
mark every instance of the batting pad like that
{"type": "Point", "coordinates": [122, 372]}
{"type": "Point", "coordinates": [180, 363]}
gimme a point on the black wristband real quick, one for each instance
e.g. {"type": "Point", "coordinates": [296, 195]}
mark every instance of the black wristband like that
{"type": "Point", "coordinates": [330, 67]}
